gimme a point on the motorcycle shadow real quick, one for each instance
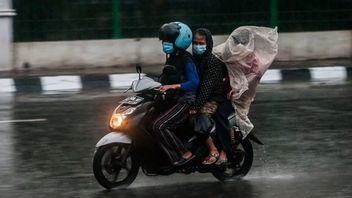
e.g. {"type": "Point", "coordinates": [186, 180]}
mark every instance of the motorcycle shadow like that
{"type": "Point", "coordinates": [236, 188]}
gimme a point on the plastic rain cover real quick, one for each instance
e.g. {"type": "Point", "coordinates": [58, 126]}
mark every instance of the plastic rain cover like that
{"type": "Point", "coordinates": [247, 53]}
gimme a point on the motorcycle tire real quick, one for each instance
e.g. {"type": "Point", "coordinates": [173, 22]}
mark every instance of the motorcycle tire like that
{"type": "Point", "coordinates": [109, 160]}
{"type": "Point", "coordinates": [245, 166]}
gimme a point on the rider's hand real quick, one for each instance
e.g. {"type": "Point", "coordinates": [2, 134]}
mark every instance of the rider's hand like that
{"type": "Point", "coordinates": [192, 111]}
{"type": "Point", "coordinates": [167, 87]}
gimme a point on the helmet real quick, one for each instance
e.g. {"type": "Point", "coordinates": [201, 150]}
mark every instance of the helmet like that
{"type": "Point", "coordinates": [176, 32]}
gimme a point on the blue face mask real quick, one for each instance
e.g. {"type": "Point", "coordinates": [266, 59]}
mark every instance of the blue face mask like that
{"type": "Point", "coordinates": [199, 49]}
{"type": "Point", "coordinates": [168, 48]}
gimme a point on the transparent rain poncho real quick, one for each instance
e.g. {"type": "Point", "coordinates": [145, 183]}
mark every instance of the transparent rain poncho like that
{"type": "Point", "coordinates": [247, 53]}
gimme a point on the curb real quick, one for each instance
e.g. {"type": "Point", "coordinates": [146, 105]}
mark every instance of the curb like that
{"type": "Point", "coordinates": [77, 83]}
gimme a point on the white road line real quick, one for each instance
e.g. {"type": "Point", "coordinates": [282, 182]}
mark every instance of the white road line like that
{"type": "Point", "coordinates": [328, 73]}
{"type": "Point", "coordinates": [26, 120]}
{"type": "Point", "coordinates": [7, 85]}
{"type": "Point", "coordinates": [61, 83]}
{"type": "Point", "coordinates": [271, 76]}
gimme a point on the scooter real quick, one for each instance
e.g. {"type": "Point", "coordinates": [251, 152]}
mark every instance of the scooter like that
{"type": "Point", "coordinates": [131, 145]}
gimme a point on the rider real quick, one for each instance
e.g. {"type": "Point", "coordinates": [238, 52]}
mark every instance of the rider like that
{"type": "Point", "coordinates": [210, 95]}
{"type": "Point", "coordinates": [176, 37]}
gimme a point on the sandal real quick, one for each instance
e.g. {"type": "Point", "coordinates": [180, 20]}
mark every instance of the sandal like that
{"type": "Point", "coordinates": [222, 159]}
{"type": "Point", "coordinates": [184, 160]}
{"type": "Point", "coordinates": [211, 158]}
{"type": "Point", "coordinates": [221, 162]}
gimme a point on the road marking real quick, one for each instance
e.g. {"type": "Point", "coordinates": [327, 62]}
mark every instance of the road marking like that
{"type": "Point", "coordinates": [271, 76]}
{"type": "Point", "coordinates": [328, 73]}
{"type": "Point", "coordinates": [61, 83]}
{"type": "Point", "coordinates": [25, 120]}
{"type": "Point", "coordinates": [7, 85]}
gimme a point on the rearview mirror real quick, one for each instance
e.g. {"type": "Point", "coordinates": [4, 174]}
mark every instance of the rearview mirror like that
{"type": "Point", "coordinates": [139, 70]}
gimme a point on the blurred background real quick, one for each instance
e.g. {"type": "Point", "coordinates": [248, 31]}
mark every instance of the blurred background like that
{"type": "Point", "coordinates": [39, 20]}
{"type": "Point", "coordinates": [85, 34]}
{"type": "Point", "coordinates": [63, 66]}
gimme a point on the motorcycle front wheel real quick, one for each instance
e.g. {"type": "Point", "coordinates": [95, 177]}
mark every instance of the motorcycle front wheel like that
{"type": "Point", "coordinates": [115, 165]}
{"type": "Point", "coordinates": [244, 155]}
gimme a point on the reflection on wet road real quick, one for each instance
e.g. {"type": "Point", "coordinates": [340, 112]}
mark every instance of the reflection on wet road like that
{"type": "Point", "coordinates": [307, 132]}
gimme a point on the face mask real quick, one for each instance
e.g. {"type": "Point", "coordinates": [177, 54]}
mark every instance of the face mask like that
{"type": "Point", "coordinates": [168, 48]}
{"type": "Point", "coordinates": [199, 49]}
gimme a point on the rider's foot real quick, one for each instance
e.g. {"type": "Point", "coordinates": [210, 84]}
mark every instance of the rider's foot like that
{"type": "Point", "coordinates": [211, 158]}
{"type": "Point", "coordinates": [222, 158]}
{"type": "Point", "coordinates": [187, 157]}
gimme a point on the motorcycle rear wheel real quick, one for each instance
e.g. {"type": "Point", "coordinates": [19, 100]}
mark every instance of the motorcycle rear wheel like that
{"type": "Point", "coordinates": [115, 165]}
{"type": "Point", "coordinates": [240, 169]}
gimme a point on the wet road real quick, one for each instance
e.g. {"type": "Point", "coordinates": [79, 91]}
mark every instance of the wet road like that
{"type": "Point", "coordinates": [47, 143]}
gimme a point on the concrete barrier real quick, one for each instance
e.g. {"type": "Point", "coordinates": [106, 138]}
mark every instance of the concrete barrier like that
{"type": "Point", "coordinates": [127, 52]}
{"type": "Point", "coordinates": [112, 81]}
{"type": "Point", "coordinates": [314, 45]}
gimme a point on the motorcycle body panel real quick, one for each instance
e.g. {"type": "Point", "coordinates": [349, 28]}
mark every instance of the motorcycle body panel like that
{"type": "Point", "coordinates": [114, 137]}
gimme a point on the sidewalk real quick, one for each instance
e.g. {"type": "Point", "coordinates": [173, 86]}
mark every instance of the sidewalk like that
{"type": "Point", "coordinates": [121, 77]}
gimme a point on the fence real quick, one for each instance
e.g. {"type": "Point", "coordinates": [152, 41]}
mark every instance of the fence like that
{"type": "Point", "coordinates": [38, 20]}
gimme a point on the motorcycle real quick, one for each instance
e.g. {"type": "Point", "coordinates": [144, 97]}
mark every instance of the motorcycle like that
{"type": "Point", "coordinates": [131, 145]}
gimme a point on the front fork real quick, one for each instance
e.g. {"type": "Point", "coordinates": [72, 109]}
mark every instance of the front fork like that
{"type": "Point", "coordinates": [118, 159]}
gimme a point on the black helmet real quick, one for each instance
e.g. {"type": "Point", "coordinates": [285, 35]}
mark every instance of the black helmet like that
{"type": "Point", "coordinates": [176, 32]}
{"type": "Point", "coordinates": [169, 32]}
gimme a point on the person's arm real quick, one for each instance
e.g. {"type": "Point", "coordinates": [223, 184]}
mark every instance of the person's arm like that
{"type": "Point", "coordinates": [207, 85]}
{"type": "Point", "coordinates": [192, 82]}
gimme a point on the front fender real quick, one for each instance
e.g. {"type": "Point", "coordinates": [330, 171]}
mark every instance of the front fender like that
{"type": "Point", "coordinates": [114, 137]}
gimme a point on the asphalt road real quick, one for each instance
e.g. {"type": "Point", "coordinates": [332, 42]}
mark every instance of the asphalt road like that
{"type": "Point", "coordinates": [47, 143]}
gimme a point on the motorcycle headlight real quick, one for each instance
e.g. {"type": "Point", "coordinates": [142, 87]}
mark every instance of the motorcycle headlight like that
{"type": "Point", "coordinates": [118, 120]}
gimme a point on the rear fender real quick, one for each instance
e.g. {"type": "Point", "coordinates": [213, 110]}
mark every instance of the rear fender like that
{"type": "Point", "coordinates": [252, 137]}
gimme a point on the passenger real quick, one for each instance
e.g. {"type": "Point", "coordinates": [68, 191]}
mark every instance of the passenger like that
{"type": "Point", "coordinates": [247, 53]}
{"type": "Point", "coordinates": [210, 93]}
{"type": "Point", "coordinates": [176, 37]}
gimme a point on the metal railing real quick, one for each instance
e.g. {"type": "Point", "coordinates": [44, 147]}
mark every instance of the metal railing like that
{"type": "Point", "coordinates": [38, 20]}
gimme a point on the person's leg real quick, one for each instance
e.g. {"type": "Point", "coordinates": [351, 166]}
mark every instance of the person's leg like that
{"type": "Point", "coordinates": [208, 110]}
{"type": "Point", "coordinates": [213, 152]}
{"type": "Point", "coordinates": [163, 125]}
{"type": "Point", "coordinates": [222, 133]}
